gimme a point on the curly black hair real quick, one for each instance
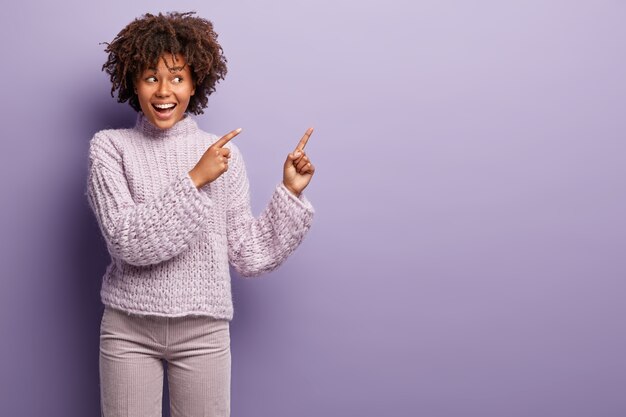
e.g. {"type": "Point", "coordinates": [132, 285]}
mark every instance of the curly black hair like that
{"type": "Point", "coordinates": [143, 41]}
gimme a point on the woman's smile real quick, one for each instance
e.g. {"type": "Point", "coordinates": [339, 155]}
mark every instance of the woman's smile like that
{"type": "Point", "coordinates": [164, 111]}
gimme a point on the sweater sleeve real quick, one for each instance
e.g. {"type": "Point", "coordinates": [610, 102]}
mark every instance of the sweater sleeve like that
{"type": "Point", "coordinates": [146, 233]}
{"type": "Point", "coordinates": [258, 245]}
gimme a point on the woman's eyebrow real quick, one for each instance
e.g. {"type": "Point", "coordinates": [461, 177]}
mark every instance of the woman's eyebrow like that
{"type": "Point", "coordinates": [171, 69]}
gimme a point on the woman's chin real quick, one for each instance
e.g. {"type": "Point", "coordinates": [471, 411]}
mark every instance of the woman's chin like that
{"type": "Point", "coordinates": [164, 121]}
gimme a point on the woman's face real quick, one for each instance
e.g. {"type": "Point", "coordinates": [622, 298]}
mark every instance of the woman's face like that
{"type": "Point", "coordinates": [163, 94]}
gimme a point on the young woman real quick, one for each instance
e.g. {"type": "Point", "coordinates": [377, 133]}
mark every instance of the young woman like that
{"type": "Point", "coordinates": [173, 205]}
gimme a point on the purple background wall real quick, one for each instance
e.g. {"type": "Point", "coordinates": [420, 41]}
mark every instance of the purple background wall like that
{"type": "Point", "coordinates": [467, 256]}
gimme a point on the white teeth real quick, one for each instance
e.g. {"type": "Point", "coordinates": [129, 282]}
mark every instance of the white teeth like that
{"type": "Point", "coordinates": [164, 106]}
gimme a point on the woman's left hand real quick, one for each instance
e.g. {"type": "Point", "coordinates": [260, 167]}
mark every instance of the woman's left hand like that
{"type": "Point", "coordinates": [298, 169]}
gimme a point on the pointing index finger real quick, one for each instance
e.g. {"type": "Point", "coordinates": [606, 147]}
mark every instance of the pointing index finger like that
{"type": "Point", "coordinates": [226, 138]}
{"type": "Point", "coordinates": [304, 139]}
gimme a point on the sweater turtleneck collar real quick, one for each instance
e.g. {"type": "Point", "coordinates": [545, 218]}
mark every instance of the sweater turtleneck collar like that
{"type": "Point", "coordinates": [184, 127]}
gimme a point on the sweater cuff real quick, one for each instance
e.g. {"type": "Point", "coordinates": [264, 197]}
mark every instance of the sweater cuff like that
{"type": "Point", "coordinates": [202, 196]}
{"type": "Point", "coordinates": [301, 201]}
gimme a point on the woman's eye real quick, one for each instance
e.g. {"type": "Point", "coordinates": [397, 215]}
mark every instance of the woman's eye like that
{"type": "Point", "coordinates": [178, 79]}
{"type": "Point", "coordinates": [151, 79]}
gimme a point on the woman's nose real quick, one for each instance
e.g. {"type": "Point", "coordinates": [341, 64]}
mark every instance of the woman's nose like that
{"type": "Point", "coordinates": [164, 89]}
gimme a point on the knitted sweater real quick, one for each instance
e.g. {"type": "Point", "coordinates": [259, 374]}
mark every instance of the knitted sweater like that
{"type": "Point", "coordinates": [170, 242]}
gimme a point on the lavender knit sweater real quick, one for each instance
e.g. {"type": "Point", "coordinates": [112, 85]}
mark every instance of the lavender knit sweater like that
{"type": "Point", "coordinates": [170, 242]}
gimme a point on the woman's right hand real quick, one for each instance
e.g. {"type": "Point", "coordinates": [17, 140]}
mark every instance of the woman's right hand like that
{"type": "Point", "coordinates": [214, 162]}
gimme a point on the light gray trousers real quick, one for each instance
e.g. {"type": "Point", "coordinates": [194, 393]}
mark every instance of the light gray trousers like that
{"type": "Point", "coordinates": [196, 350]}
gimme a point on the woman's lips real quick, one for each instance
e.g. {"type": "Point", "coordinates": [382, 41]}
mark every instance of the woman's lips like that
{"type": "Point", "coordinates": [163, 114]}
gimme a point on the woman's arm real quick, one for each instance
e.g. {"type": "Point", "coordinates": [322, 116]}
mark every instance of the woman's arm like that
{"type": "Point", "coordinates": [258, 245]}
{"type": "Point", "coordinates": [147, 233]}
